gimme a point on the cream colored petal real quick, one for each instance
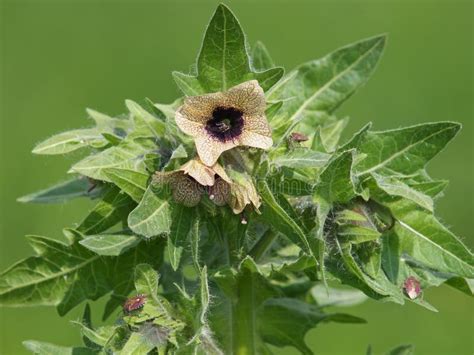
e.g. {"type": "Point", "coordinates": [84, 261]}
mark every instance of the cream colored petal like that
{"type": "Point", "coordinates": [248, 97]}
{"type": "Point", "coordinates": [219, 170]}
{"type": "Point", "coordinates": [200, 108]}
{"type": "Point", "coordinates": [209, 149]}
{"type": "Point", "coordinates": [189, 127]}
{"type": "Point", "coordinates": [257, 124]}
{"type": "Point", "coordinates": [203, 174]}
{"type": "Point", "coordinates": [255, 140]}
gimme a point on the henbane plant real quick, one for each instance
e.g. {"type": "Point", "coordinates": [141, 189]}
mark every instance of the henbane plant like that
{"type": "Point", "coordinates": [228, 221]}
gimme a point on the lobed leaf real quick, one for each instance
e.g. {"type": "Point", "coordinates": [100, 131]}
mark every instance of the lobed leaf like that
{"type": "Point", "coordinates": [55, 275]}
{"type": "Point", "coordinates": [323, 84]}
{"type": "Point", "coordinates": [404, 150]}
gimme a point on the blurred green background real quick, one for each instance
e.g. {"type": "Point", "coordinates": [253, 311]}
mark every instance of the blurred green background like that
{"type": "Point", "coordinates": [59, 57]}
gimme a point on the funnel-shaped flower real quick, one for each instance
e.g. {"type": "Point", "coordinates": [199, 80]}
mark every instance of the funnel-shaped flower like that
{"type": "Point", "coordinates": [221, 121]}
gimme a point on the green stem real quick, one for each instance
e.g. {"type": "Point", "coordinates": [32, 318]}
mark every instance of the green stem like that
{"type": "Point", "coordinates": [244, 330]}
{"type": "Point", "coordinates": [263, 244]}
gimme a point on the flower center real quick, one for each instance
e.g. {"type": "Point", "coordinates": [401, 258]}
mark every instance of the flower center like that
{"type": "Point", "coordinates": [226, 123]}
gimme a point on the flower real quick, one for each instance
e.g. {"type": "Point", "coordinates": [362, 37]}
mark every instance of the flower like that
{"type": "Point", "coordinates": [224, 120]}
{"type": "Point", "coordinates": [188, 182]}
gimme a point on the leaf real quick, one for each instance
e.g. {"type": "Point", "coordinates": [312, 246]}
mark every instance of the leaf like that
{"type": "Point", "coordinates": [323, 84]}
{"type": "Point", "coordinates": [42, 348]}
{"type": "Point", "coordinates": [137, 344]}
{"type": "Point", "coordinates": [95, 339]}
{"type": "Point", "coordinates": [127, 155]}
{"type": "Point", "coordinates": [381, 285]}
{"type": "Point", "coordinates": [223, 61]}
{"type": "Point", "coordinates": [336, 182]}
{"type": "Point", "coordinates": [261, 59]}
{"type": "Point", "coordinates": [155, 125]}
{"type": "Point", "coordinates": [146, 280]}
{"type": "Point", "coordinates": [182, 221]}
{"type": "Point", "coordinates": [130, 181]}
{"type": "Point", "coordinates": [434, 189]}
{"type": "Point", "coordinates": [331, 133]}
{"type": "Point", "coordinates": [105, 123]}
{"type": "Point", "coordinates": [421, 236]}
{"type": "Point", "coordinates": [462, 284]}
{"type": "Point", "coordinates": [285, 322]}
{"type": "Point", "coordinates": [302, 158]}
{"type": "Point", "coordinates": [110, 244]}
{"type": "Point", "coordinates": [404, 150]}
{"type": "Point", "coordinates": [69, 141]}
{"type": "Point", "coordinates": [152, 216]}
{"type": "Point", "coordinates": [328, 297]}
{"type": "Point", "coordinates": [64, 275]}
{"type": "Point", "coordinates": [59, 193]}
{"type": "Point", "coordinates": [278, 218]}
{"type": "Point", "coordinates": [395, 187]}
{"type": "Point", "coordinates": [112, 209]}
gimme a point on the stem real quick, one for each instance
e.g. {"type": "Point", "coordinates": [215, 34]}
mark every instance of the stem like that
{"type": "Point", "coordinates": [244, 332]}
{"type": "Point", "coordinates": [241, 307]}
{"type": "Point", "coordinates": [263, 244]}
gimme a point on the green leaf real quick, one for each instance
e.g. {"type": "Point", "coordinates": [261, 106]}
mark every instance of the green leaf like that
{"type": "Point", "coordinates": [323, 84]}
{"type": "Point", "coordinates": [64, 275]}
{"type": "Point", "coordinates": [110, 244]}
{"type": "Point", "coordinates": [182, 221]}
{"type": "Point", "coordinates": [59, 193]}
{"type": "Point", "coordinates": [329, 297]}
{"type": "Point", "coordinates": [380, 285]}
{"type": "Point", "coordinates": [69, 141]}
{"type": "Point", "coordinates": [421, 236]}
{"type": "Point", "coordinates": [127, 155]}
{"type": "Point", "coordinates": [112, 209]}
{"type": "Point", "coordinates": [434, 189]}
{"type": "Point", "coordinates": [261, 59]}
{"type": "Point", "coordinates": [95, 339]}
{"type": "Point", "coordinates": [395, 187]}
{"type": "Point", "coordinates": [130, 181]}
{"type": "Point", "coordinates": [137, 344]}
{"type": "Point", "coordinates": [331, 133]}
{"type": "Point", "coordinates": [274, 214]}
{"type": "Point", "coordinates": [42, 348]}
{"type": "Point", "coordinates": [155, 125]}
{"type": "Point", "coordinates": [223, 61]}
{"type": "Point", "coordinates": [146, 280]}
{"type": "Point", "coordinates": [301, 158]}
{"type": "Point", "coordinates": [336, 182]}
{"type": "Point", "coordinates": [105, 123]}
{"type": "Point", "coordinates": [152, 216]}
{"type": "Point", "coordinates": [404, 150]}
{"type": "Point", "coordinates": [285, 322]}
{"type": "Point", "coordinates": [462, 284]}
